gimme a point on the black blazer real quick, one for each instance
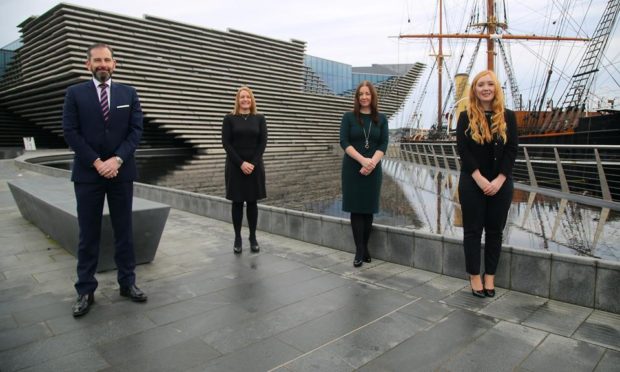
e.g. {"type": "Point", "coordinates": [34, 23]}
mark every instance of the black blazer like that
{"type": "Point", "coordinates": [90, 137]}
{"type": "Point", "coordinates": [490, 158]}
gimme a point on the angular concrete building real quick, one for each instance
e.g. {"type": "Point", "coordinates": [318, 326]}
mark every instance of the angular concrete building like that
{"type": "Point", "coordinates": [186, 77]}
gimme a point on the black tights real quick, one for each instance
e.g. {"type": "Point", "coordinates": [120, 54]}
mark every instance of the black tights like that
{"type": "Point", "coordinates": [361, 224]}
{"type": "Point", "coordinates": [237, 217]}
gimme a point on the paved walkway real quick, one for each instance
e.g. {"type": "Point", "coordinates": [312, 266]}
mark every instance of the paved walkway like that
{"type": "Point", "coordinates": [293, 307]}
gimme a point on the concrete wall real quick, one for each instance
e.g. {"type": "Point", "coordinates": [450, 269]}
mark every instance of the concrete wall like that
{"type": "Point", "coordinates": [579, 280]}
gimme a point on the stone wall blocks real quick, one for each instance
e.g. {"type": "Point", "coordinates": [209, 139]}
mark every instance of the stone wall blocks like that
{"type": "Point", "coordinates": [400, 245]}
{"type": "Point", "coordinates": [573, 279]}
{"type": "Point", "coordinates": [378, 246]}
{"type": "Point", "coordinates": [606, 295]}
{"type": "Point", "coordinates": [453, 258]}
{"type": "Point", "coordinates": [337, 234]}
{"type": "Point", "coordinates": [428, 252]}
{"type": "Point", "coordinates": [294, 224]}
{"type": "Point", "coordinates": [530, 271]}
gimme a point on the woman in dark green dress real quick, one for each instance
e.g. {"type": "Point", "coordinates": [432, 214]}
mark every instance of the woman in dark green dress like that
{"type": "Point", "coordinates": [244, 137]}
{"type": "Point", "coordinates": [364, 138]}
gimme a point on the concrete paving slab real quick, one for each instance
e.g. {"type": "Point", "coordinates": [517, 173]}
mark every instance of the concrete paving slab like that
{"type": "Point", "coordinates": [428, 310]}
{"type": "Point", "coordinates": [609, 362]}
{"type": "Point", "coordinates": [432, 347]}
{"type": "Point", "coordinates": [502, 348]}
{"type": "Point", "coordinates": [601, 328]}
{"type": "Point", "coordinates": [406, 280]}
{"type": "Point", "coordinates": [438, 288]}
{"type": "Point", "coordinates": [557, 353]}
{"type": "Point", "coordinates": [178, 357]}
{"type": "Point", "coordinates": [317, 361]}
{"type": "Point", "coordinates": [261, 356]}
{"type": "Point", "coordinates": [558, 317]}
{"type": "Point", "coordinates": [514, 306]}
{"type": "Point", "coordinates": [83, 360]}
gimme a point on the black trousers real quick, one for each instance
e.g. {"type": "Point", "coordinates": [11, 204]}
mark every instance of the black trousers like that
{"type": "Point", "coordinates": [481, 212]}
{"type": "Point", "coordinates": [90, 198]}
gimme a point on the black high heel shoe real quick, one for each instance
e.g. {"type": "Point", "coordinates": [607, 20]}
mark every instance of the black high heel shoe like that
{"type": "Point", "coordinates": [237, 247]}
{"type": "Point", "coordinates": [254, 247]}
{"type": "Point", "coordinates": [357, 263]}
{"type": "Point", "coordinates": [488, 292]}
{"type": "Point", "coordinates": [477, 293]}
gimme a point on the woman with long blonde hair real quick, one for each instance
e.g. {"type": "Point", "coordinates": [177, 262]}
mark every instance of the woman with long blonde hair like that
{"type": "Point", "coordinates": [487, 144]}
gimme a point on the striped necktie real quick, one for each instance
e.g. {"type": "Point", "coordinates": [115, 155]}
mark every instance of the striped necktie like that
{"type": "Point", "coordinates": [105, 106]}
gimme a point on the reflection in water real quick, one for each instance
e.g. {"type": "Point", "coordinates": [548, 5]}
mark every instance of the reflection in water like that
{"type": "Point", "coordinates": [534, 221]}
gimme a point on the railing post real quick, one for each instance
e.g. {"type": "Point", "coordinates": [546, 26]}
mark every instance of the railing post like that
{"type": "Point", "coordinates": [435, 160]}
{"type": "Point", "coordinates": [530, 169]}
{"type": "Point", "coordinates": [456, 159]}
{"type": "Point", "coordinates": [419, 154]}
{"type": "Point", "coordinates": [558, 161]}
{"type": "Point", "coordinates": [601, 176]}
{"type": "Point", "coordinates": [445, 159]}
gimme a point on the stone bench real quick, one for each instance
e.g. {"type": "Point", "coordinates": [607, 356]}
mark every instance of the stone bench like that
{"type": "Point", "coordinates": [49, 203]}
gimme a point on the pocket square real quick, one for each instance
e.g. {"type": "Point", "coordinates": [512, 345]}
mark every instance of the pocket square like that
{"type": "Point", "coordinates": [122, 106]}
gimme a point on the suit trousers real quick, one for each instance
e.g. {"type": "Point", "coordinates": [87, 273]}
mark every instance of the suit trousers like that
{"type": "Point", "coordinates": [90, 200]}
{"type": "Point", "coordinates": [481, 212]}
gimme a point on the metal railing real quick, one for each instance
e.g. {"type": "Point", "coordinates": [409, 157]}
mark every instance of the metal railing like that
{"type": "Point", "coordinates": [582, 170]}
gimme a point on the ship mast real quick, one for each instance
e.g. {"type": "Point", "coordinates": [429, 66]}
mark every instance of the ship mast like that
{"type": "Point", "coordinates": [489, 32]}
{"type": "Point", "coordinates": [491, 27]}
{"type": "Point", "coordinates": [440, 67]}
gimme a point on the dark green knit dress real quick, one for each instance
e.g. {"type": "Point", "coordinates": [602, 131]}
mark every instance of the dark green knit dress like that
{"type": "Point", "coordinates": [360, 194]}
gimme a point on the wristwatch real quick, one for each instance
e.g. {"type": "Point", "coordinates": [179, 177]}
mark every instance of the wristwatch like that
{"type": "Point", "coordinates": [119, 160]}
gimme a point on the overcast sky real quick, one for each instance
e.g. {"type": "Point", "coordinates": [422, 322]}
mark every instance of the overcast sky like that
{"type": "Point", "coordinates": [360, 32]}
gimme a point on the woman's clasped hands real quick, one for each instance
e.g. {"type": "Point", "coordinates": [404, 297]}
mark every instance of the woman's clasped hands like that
{"type": "Point", "coordinates": [368, 165]}
{"type": "Point", "coordinates": [247, 168]}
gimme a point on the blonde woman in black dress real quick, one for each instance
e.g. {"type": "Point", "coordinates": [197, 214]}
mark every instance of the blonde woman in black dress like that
{"type": "Point", "coordinates": [244, 137]}
{"type": "Point", "coordinates": [364, 138]}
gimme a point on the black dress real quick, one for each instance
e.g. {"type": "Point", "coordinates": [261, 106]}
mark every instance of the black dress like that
{"type": "Point", "coordinates": [244, 138]}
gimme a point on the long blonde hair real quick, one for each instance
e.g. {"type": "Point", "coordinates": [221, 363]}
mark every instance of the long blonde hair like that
{"type": "Point", "coordinates": [478, 129]}
{"type": "Point", "coordinates": [237, 109]}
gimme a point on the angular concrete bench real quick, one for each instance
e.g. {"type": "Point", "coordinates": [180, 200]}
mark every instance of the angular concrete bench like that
{"type": "Point", "coordinates": [49, 203]}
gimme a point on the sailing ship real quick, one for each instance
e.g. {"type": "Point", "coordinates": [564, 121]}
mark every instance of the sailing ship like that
{"type": "Point", "coordinates": [542, 120]}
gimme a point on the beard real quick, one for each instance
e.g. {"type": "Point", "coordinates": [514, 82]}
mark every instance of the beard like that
{"type": "Point", "coordinates": [101, 75]}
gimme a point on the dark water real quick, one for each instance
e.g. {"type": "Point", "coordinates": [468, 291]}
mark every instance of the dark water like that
{"type": "Point", "coordinates": [417, 198]}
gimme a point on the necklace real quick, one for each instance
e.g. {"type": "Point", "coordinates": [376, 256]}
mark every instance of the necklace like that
{"type": "Point", "coordinates": [366, 136]}
{"type": "Point", "coordinates": [245, 116]}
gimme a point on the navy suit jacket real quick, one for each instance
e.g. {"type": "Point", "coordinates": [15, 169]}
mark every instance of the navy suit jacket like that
{"type": "Point", "coordinates": [90, 137]}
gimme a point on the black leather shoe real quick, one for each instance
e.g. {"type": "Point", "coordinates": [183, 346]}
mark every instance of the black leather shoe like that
{"type": "Point", "coordinates": [237, 247]}
{"type": "Point", "coordinates": [82, 304]}
{"type": "Point", "coordinates": [134, 293]}
{"type": "Point", "coordinates": [357, 263]}
{"type": "Point", "coordinates": [367, 258]}
{"type": "Point", "coordinates": [254, 247]}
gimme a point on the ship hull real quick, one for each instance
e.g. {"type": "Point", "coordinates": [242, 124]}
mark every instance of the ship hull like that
{"type": "Point", "coordinates": [593, 130]}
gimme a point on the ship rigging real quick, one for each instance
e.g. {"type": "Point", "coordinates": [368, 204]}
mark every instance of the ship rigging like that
{"type": "Point", "coordinates": [538, 117]}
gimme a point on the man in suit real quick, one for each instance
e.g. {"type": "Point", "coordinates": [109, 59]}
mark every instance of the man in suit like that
{"type": "Point", "coordinates": [102, 123]}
